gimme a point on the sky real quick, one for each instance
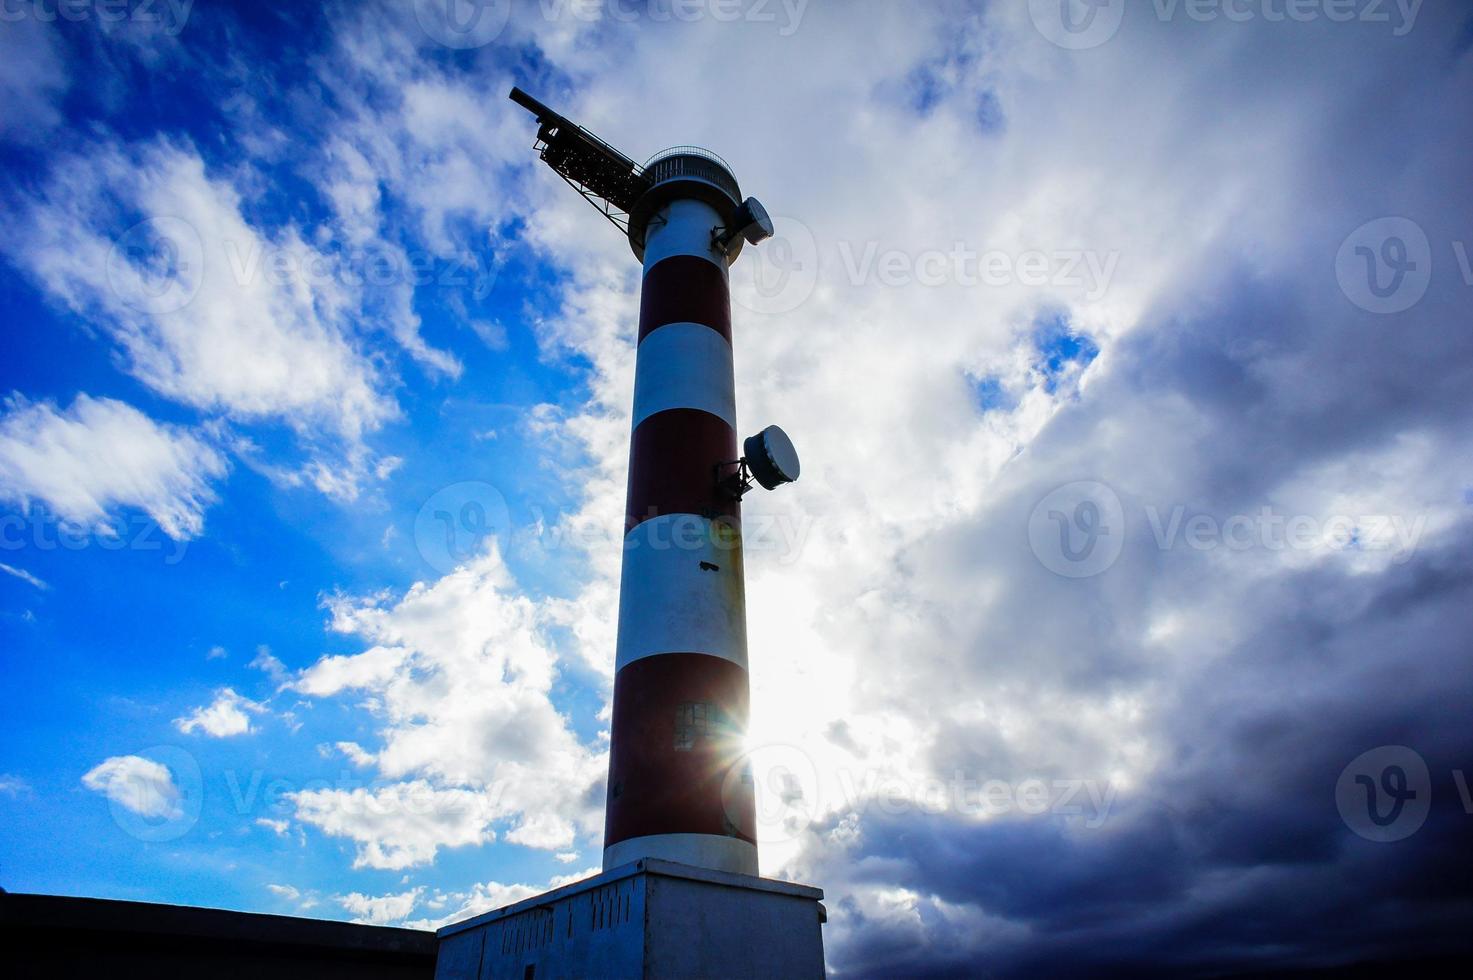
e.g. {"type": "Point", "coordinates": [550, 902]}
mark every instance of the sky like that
{"type": "Point", "coordinates": [1119, 622]}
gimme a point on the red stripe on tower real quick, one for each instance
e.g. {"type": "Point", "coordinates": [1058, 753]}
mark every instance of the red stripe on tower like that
{"type": "Point", "coordinates": [684, 288]}
{"type": "Point", "coordinates": [678, 784]}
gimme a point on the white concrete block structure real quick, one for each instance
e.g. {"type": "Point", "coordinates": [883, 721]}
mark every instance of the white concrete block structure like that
{"type": "Point", "coordinates": [647, 919]}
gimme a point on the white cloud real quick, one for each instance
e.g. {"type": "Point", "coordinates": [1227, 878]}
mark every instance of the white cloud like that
{"type": "Point", "coordinates": [32, 79]}
{"type": "Point", "coordinates": [229, 714]}
{"type": "Point", "coordinates": [465, 674]}
{"type": "Point", "coordinates": [400, 825]}
{"type": "Point", "coordinates": [277, 827]}
{"type": "Point", "coordinates": [334, 674]}
{"type": "Point", "coordinates": [1214, 386]}
{"type": "Point", "coordinates": [13, 785]}
{"type": "Point", "coordinates": [24, 576]}
{"type": "Point", "coordinates": [211, 329]}
{"type": "Point", "coordinates": [303, 900]}
{"type": "Point", "coordinates": [100, 455]}
{"type": "Point", "coordinates": [545, 831]}
{"type": "Point", "coordinates": [461, 677]}
{"type": "Point", "coordinates": [213, 311]}
{"type": "Point", "coordinates": [485, 896]}
{"type": "Point", "coordinates": [356, 754]}
{"type": "Point", "coordinates": [139, 785]}
{"type": "Point", "coordinates": [919, 499]}
{"type": "Point", "coordinates": [267, 663]}
{"type": "Point", "coordinates": [383, 909]}
{"type": "Point", "coordinates": [216, 653]}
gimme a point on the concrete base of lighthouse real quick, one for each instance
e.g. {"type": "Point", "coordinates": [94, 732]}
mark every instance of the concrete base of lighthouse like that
{"type": "Point", "coordinates": [649, 918]}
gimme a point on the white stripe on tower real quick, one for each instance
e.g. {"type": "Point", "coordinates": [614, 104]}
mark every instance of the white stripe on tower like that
{"type": "Point", "coordinates": [675, 593]}
{"type": "Point", "coordinates": [687, 232]}
{"type": "Point", "coordinates": [678, 787]}
{"type": "Point", "coordinates": [684, 365]}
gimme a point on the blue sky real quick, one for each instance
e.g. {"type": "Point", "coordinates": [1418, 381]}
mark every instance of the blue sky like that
{"type": "Point", "coordinates": [109, 641]}
{"type": "Point", "coordinates": [1125, 494]}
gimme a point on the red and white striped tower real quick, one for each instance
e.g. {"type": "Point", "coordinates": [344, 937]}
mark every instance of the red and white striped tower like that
{"type": "Point", "coordinates": [678, 787]}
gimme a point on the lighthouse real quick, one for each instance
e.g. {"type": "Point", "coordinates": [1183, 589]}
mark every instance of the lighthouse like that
{"type": "Point", "coordinates": [679, 788]}
{"type": "Point", "coordinates": [678, 784]}
{"type": "Point", "coordinates": [680, 893]}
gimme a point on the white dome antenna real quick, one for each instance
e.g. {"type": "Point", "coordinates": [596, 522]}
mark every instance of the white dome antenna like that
{"type": "Point", "coordinates": [770, 461]}
{"type": "Point", "coordinates": [749, 222]}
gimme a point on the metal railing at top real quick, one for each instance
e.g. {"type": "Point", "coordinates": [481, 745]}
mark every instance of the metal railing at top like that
{"type": "Point", "coordinates": [692, 161]}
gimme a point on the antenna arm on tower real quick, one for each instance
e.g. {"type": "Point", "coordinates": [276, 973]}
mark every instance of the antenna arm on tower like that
{"type": "Point", "coordinates": [542, 112]}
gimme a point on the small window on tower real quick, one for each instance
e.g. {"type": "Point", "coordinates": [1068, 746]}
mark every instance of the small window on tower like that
{"type": "Point", "coordinates": [696, 721]}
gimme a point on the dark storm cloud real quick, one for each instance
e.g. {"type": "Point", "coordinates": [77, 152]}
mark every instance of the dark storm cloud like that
{"type": "Point", "coordinates": [1235, 855]}
{"type": "Point", "coordinates": [1257, 382]}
